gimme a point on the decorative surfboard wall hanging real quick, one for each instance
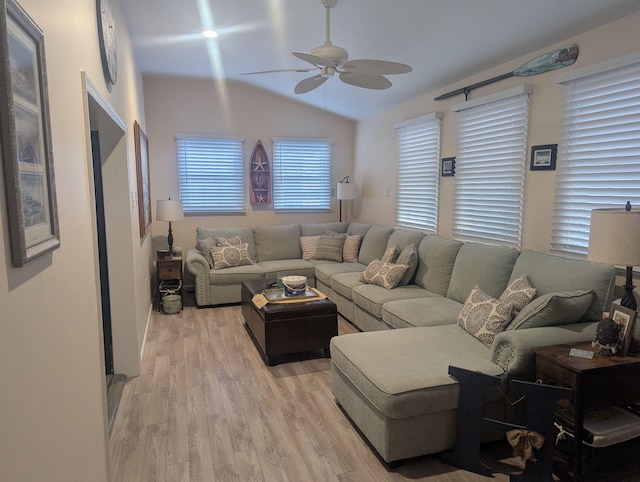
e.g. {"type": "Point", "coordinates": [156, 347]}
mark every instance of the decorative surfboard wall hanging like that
{"type": "Point", "coordinates": [260, 175]}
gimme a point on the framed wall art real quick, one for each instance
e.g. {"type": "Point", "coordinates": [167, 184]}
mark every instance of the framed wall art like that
{"type": "Point", "coordinates": [543, 158]}
{"type": "Point", "coordinates": [144, 183]}
{"type": "Point", "coordinates": [25, 133]}
{"type": "Point", "coordinates": [448, 167]}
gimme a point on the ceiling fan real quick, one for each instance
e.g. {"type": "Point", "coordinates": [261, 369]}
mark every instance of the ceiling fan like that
{"type": "Point", "coordinates": [329, 59]}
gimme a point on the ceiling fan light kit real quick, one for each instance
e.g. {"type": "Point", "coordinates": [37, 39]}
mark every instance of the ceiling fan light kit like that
{"type": "Point", "coordinates": [329, 59]}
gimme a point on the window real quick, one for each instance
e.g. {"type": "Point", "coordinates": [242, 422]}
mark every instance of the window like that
{"type": "Point", "coordinates": [301, 175]}
{"type": "Point", "coordinates": [599, 154]}
{"type": "Point", "coordinates": [490, 167]}
{"type": "Point", "coordinates": [419, 172]}
{"type": "Point", "coordinates": [210, 173]}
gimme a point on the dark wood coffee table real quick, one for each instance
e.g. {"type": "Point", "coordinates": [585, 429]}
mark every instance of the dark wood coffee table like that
{"type": "Point", "coordinates": [279, 329]}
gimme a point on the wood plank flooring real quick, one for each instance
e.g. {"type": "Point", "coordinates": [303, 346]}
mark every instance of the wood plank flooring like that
{"type": "Point", "coordinates": [206, 408]}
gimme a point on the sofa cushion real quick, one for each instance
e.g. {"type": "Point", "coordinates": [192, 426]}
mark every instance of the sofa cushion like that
{"type": "Point", "coordinates": [246, 234]}
{"type": "Point", "coordinates": [327, 269]}
{"type": "Point", "coordinates": [408, 256]}
{"type": "Point", "coordinates": [519, 293]}
{"type": "Point", "coordinates": [309, 246]}
{"type": "Point", "coordinates": [343, 283]}
{"type": "Point", "coordinates": [403, 238]}
{"type": "Point", "coordinates": [330, 248]}
{"type": "Point", "coordinates": [431, 310]}
{"type": "Point", "coordinates": [391, 254]}
{"type": "Point", "coordinates": [236, 275]}
{"type": "Point", "coordinates": [351, 248]}
{"type": "Point", "coordinates": [483, 265]}
{"type": "Point", "coordinates": [293, 267]}
{"type": "Point", "coordinates": [358, 228]}
{"type": "Point", "coordinates": [205, 246]}
{"type": "Point", "coordinates": [374, 244]}
{"type": "Point", "coordinates": [548, 273]}
{"type": "Point", "coordinates": [403, 373]}
{"type": "Point", "coordinates": [233, 241]}
{"type": "Point", "coordinates": [484, 317]}
{"type": "Point", "coordinates": [436, 258]}
{"type": "Point", "coordinates": [380, 273]}
{"type": "Point", "coordinates": [278, 242]}
{"type": "Point", "coordinates": [317, 229]}
{"type": "Point", "coordinates": [230, 256]}
{"type": "Point", "coordinates": [554, 309]}
{"type": "Point", "coordinates": [371, 298]}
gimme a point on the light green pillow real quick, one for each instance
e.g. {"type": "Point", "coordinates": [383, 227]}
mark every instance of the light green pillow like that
{"type": "Point", "coordinates": [408, 256]}
{"type": "Point", "coordinates": [553, 309]}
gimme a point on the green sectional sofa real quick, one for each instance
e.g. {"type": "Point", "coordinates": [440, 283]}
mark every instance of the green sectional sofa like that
{"type": "Point", "coordinates": [392, 378]}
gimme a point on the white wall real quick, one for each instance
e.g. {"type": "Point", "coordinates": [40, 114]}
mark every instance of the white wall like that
{"type": "Point", "coordinates": [52, 401]}
{"type": "Point", "coordinates": [376, 159]}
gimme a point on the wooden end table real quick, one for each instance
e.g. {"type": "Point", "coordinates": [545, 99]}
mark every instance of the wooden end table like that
{"type": "Point", "coordinates": [169, 278]}
{"type": "Point", "coordinates": [610, 380]}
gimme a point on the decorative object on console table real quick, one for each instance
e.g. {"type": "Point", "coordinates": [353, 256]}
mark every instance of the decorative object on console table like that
{"type": "Point", "coordinates": [615, 239]}
{"type": "Point", "coordinates": [346, 190]}
{"type": "Point", "coordinates": [625, 318]}
{"type": "Point", "coordinates": [144, 183]}
{"type": "Point", "coordinates": [543, 158]}
{"type": "Point", "coordinates": [260, 175]}
{"type": "Point", "coordinates": [25, 137]}
{"type": "Point", "coordinates": [448, 167]}
{"type": "Point", "coordinates": [169, 211]}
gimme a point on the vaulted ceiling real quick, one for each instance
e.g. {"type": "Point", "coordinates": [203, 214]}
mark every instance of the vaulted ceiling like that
{"type": "Point", "coordinates": [443, 41]}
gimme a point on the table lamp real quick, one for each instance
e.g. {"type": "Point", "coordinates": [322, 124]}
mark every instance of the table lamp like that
{"type": "Point", "coordinates": [615, 239]}
{"type": "Point", "coordinates": [169, 211]}
{"type": "Point", "coordinates": [346, 190]}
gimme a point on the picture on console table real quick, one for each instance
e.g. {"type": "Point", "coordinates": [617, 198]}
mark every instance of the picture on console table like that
{"type": "Point", "coordinates": [543, 158]}
{"type": "Point", "coordinates": [625, 319]}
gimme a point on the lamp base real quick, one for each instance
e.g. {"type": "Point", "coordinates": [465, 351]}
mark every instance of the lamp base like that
{"type": "Point", "coordinates": [629, 299]}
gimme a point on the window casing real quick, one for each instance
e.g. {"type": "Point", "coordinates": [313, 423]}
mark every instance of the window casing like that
{"type": "Point", "coordinates": [419, 172]}
{"type": "Point", "coordinates": [301, 175]}
{"type": "Point", "coordinates": [599, 153]}
{"type": "Point", "coordinates": [490, 168]}
{"type": "Point", "coordinates": [211, 175]}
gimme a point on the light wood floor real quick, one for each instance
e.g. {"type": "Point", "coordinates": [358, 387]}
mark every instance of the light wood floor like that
{"type": "Point", "coordinates": [206, 408]}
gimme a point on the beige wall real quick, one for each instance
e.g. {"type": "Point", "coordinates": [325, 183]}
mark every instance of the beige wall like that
{"type": "Point", "coordinates": [194, 106]}
{"type": "Point", "coordinates": [52, 414]}
{"type": "Point", "coordinates": [376, 157]}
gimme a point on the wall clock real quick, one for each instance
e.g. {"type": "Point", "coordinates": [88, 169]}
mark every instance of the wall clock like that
{"type": "Point", "coordinates": [107, 39]}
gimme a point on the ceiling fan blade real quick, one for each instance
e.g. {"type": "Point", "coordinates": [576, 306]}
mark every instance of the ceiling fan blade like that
{"type": "Point", "coordinates": [377, 82]}
{"type": "Point", "coordinates": [279, 70]}
{"type": "Point", "coordinates": [376, 67]}
{"type": "Point", "coordinates": [315, 60]}
{"type": "Point", "coordinates": [310, 83]}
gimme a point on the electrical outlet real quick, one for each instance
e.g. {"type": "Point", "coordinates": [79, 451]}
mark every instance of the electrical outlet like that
{"type": "Point", "coordinates": [386, 192]}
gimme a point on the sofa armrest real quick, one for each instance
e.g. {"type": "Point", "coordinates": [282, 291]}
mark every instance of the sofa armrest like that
{"type": "Point", "coordinates": [199, 267]}
{"type": "Point", "coordinates": [511, 350]}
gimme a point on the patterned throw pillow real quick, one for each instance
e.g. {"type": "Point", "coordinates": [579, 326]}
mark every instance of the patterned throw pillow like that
{"type": "Point", "coordinates": [408, 256]}
{"type": "Point", "coordinates": [309, 245]}
{"type": "Point", "coordinates": [483, 316]}
{"type": "Point", "coordinates": [230, 256]}
{"type": "Point", "coordinates": [330, 248]}
{"type": "Point", "coordinates": [391, 254]}
{"type": "Point", "coordinates": [387, 275]}
{"type": "Point", "coordinates": [351, 248]}
{"type": "Point", "coordinates": [518, 293]}
{"type": "Point", "coordinates": [234, 241]}
{"type": "Point", "coordinates": [205, 246]}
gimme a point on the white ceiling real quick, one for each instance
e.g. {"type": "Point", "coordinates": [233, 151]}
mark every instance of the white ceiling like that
{"type": "Point", "coordinates": [443, 40]}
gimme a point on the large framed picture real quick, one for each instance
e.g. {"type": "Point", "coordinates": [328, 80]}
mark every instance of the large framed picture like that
{"type": "Point", "coordinates": [144, 186]}
{"type": "Point", "coordinates": [625, 318]}
{"type": "Point", "coordinates": [25, 135]}
{"type": "Point", "coordinates": [543, 158]}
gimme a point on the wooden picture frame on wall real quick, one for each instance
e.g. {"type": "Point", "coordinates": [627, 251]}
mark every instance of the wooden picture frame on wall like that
{"type": "Point", "coordinates": [144, 182]}
{"type": "Point", "coordinates": [25, 131]}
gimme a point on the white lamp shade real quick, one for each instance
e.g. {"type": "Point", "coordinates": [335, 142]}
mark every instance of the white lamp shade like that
{"type": "Point", "coordinates": [615, 237]}
{"type": "Point", "coordinates": [347, 190]}
{"type": "Point", "coordinates": [169, 210]}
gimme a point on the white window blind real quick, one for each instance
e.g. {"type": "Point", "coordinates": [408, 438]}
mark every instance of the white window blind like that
{"type": "Point", "coordinates": [210, 173]}
{"type": "Point", "coordinates": [490, 169]}
{"type": "Point", "coordinates": [301, 175]}
{"type": "Point", "coordinates": [599, 154]}
{"type": "Point", "coordinates": [419, 172]}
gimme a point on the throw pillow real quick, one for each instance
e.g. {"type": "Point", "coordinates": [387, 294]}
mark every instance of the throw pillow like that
{"type": "Point", "coordinates": [230, 256]}
{"type": "Point", "coordinates": [351, 248]}
{"type": "Point", "coordinates": [309, 245]}
{"type": "Point", "coordinates": [205, 246]}
{"type": "Point", "coordinates": [387, 275]}
{"type": "Point", "coordinates": [483, 316]}
{"type": "Point", "coordinates": [233, 241]}
{"type": "Point", "coordinates": [391, 254]}
{"type": "Point", "coordinates": [408, 256]}
{"type": "Point", "coordinates": [554, 309]}
{"type": "Point", "coordinates": [518, 293]}
{"type": "Point", "coordinates": [330, 248]}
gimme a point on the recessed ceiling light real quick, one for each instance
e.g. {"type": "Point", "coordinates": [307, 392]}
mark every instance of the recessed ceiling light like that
{"type": "Point", "coordinates": [210, 33]}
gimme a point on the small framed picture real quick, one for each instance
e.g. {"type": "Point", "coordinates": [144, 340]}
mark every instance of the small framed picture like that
{"type": "Point", "coordinates": [543, 158]}
{"type": "Point", "coordinates": [448, 167]}
{"type": "Point", "coordinates": [625, 318]}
